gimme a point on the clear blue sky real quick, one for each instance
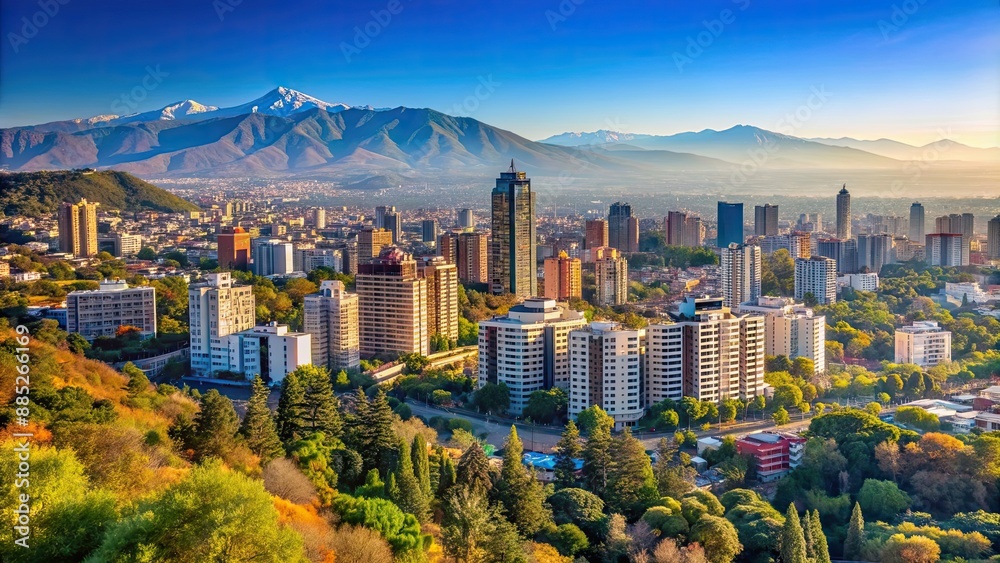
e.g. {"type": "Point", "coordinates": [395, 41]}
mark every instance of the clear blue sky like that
{"type": "Point", "coordinates": [932, 72]}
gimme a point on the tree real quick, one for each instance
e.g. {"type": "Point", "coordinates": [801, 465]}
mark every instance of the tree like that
{"type": "Point", "coordinates": [212, 515]}
{"type": "Point", "coordinates": [320, 406]}
{"type": "Point", "coordinates": [787, 395]}
{"type": "Point", "coordinates": [137, 380]}
{"type": "Point", "coordinates": [400, 529]}
{"type": "Point", "coordinates": [780, 417]}
{"type": "Point", "coordinates": [518, 490]}
{"type": "Point", "coordinates": [77, 343]}
{"type": "Point", "coordinates": [215, 425]}
{"type": "Point", "coordinates": [597, 455]}
{"type": "Point", "coordinates": [580, 507]}
{"type": "Point", "coordinates": [546, 405]}
{"type": "Point", "coordinates": [421, 464]}
{"type": "Point", "coordinates": [718, 537]}
{"type": "Point", "coordinates": [473, 471]}
{"type": "Point", "coordinates": [631, 487]}
{"type": "Point", "coordinates": [409, 495]}
{"type": "Point", "coordinates": [821, 551]}
{"type": "Point", "coordinates": [759, 403]}
{"type": "Point", "coordinates": [855, 534]}
{"type": "Point", "coordinates": [793, 543]}
{"type": "Point", "coordinates": [593, 417]}
{"type": "Point", "coordinates": [913, 549]}
{"type": "Point", "coordinates": [567, 451]}
{"type": "Point", "coordinates": [370, 431]}
{"type": "Point", "coordinates": [882, 499]}
{"type": "Point", "coordinates": [146, 253]}
{"type": "Point", "coordinates": [492, 397]}
{"type": "Point", "coordinates": [357, 544]}
{"type": "Point", "coordinates": [467, 525]}
{"type": "Point", "coordinates": [803, 367]}
{"type": "Point", "coordinates": [290, 418]}
{"type": "Point", "coordinates": [258, 427]}
{"type": "Point", "coordinates": [918, 418]}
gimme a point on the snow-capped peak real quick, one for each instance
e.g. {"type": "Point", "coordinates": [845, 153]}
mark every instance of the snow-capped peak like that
{"type": "Point", "coordinates": [284, 101]}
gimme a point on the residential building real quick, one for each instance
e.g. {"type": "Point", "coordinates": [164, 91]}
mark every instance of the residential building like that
{"type": "Point", "coordinates": [270, 351]}
{"type": "Point", "coordinates": [740, 273]}
{"type": "Point", "coordinates": [917, 232]}
{"type": "Point", "coordinates": [319, 217]}
{"type": "Point", "coordinates": [605, 362]}
{"type": "Point", "coordinates": [683, 229]}
{"type": "Point", "coordinates": [596, 233]}
{"type": "Point", "coordinates": [923, 343]}
{"type": "Point", "coordinates": [612, 279]}
{"type": "Point", "coordinates": [330, 317]}
{"type": "Point", "coordinates": [775, 454]}
{"type": "Point", "coordinates": [272, 257]}
{"type": "Point", "coordinates": [393, 222]}
{"type": "Point", "coordinates": [874, 251]}
{"type": "Point", "coordinates": [623, 228]}
{"type": "Point", "coordinates": [844, 214]}
{"type": "Point", "coordinates": [442, 297]}
{"type": "Point", "coordinates": [563, 278]}
{"type": "Point", "coordinates": [859, 282]}
{"type": "Point", "coordinates": [816, 276]}
{"type": "Point", "coordinates": [100, 312]}
{"type": "Point", "coordinates": [798, 244]}
{"type": "Point", "coordinates": [429, 231]}
{"type": "Point", "coordinates": [234, 248]}
{"type": "Point", "coordinates": [380, 212]}
{"type": "Point", "coordinates": [765, 223]}
{"type": "Point", "coordinates": [371, 241]}
{"type": "Point", "coordinates": [393, 315]}
{"type": "Point", "coordinates": [466, 220]}
{"type": "Point", "coordinates": [946, 249]}
{"type": "Point", "coordinates": [472, 257]}
{"type": "Point", "coordinates": [306, 259]}
{"type": "Point", "coordinates": [993, 238]}
{"type": "Point", "coordinates": [528, 349]}
{"type": "Point", "coordinates": [730, 224]}
{"type": "Point", "coordinates": [513, 246]}
{"type": "Point", "coordinates": [791, 329]}
{"type": "Point", "coordinates": [78, 228]}
{"type": "Point", "coordinates": [120, 245]}
{"type": "Point", "coordinates": [845, 252]}
{"type": "Point", "coordinates": [217, 309]}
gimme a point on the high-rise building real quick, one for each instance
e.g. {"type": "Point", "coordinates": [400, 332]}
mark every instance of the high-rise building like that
{"type": "Point", "coordinates": [273, 257]}
{"type": "Point", "coordinates": [271, 351]}
{"type": "Point", "coordinates": [217, 309]}
{"type": "Point", "coordinates": [447, 246]}
{"type": "Point", "coordinates": [811, 222]}
{"type": "Point", "coordinates": [428, 230]}
{"type": "Point", "coordinates": [100, 312]}
{"type": "Point", "coordinates": [917, 223]}
{"type": "Point", "coordinates": [371, 241]}
{"type": "Point", "coordinates": [472, 257]}
{"type": "Point", "coordinates": [563, 278]}
{"type": "Point", "coordinates": [683, 230]}
{"type": "Point", "coordinates": [765, 220]}
{"type": "Point", "coordinates": [605, 362]}
{"type": "Point", "coordinates": [596, 233]}
{"type": "Point", "coordinates": [78, 228]}
{"type": "Point", "coordinates": [442, 297]}
{"type": "Point", "coordinates": [924, 343]}
{"type": "Point", "coordinates": [816, 276]}
{"type": "Point", "coordinates": [707, 352]}
{"type": "Point", "coordinates": [845, 252]}
{"type": "Point", "coordinates": [612, 279]}
{"type": "Point", "coordinates": [730, 224]}
{"type": "Point", "coordinates": [393, 222]}
{"type": "Point", "coordinates": [792, 330]}
{"type": "Point", "coordinates": [120, 245]}
{"type": "Point", "coordinates": [798, 244]}
{"type": "Point", "coordinates": [307, 259]}
{"type": "Point", "coordinates": [993, 238]}
{"type": "Point", "coordinates": [623, 228]}
{"type": "Point", "coordinates": [740, 273]}
{"type": "Point", "coordinates": [512, 249]}
{"type": "Point", "coordinates": [946, 249]}
{"type": "Point", "coordinates": [874, 251]}
{"type": "Point", "coordinates": [528, 349]}
{"type": "Point", "coordinates": [380, 212]}
{"type": "Point", "coordinates": [330, 317]}
{"type": "Point", "coordinates": [234, 248]}
{"type": "Point", "coordinates": [319, 217]}
{"type": "Point", "coordinates": [465, 219]}
{"type": "Point", "coordinates": [844, 214]}
{"type": "Point", "coordinates": [393, 316]}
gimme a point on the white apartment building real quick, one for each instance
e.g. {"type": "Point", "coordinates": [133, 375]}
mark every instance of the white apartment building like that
{"type": "Point", "coordinates": [605, 363]}
{"type": "Point", "coordinates": [816, 275]}
{"type": "Point", "coordinates": [270, 351]}
{"type": "Point", "coordinates": [924, 343]}
{"type": "Point", "coordinates": [330, 317]}
{"type": "Point", "coordinates": [740, 273]}
{"type": "Point", "coordinates": [859, 282]}
{"type": "Point", "coordinates": [442, 297]}
{"type": "Point", "coordinates": [528, 348]}
{"type": "Point", "coordinates": [708, 352]}
{"type": "Point", "coordinates": [217, 309]}
{"type": "Point", "coordinates": [791, 329]}
{"type": "Point", "coordinates": [272, 257]}
{"type": "Point", "coordinates": [101, 311]}
{"type": "Point", "coordinates": [612, 280]}
{"type": "Point", "coordinates": [308, 259]}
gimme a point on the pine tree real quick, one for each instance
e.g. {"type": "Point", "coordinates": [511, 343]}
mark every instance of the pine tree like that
{"type": "Point", "coordinates": [567, 450]}
{"type": "Point", "coordinates": [434, 462]}
{"type": "Point", "coordinates": [473, 470]}
{"type": "Point", "coordinates": [392, 489]}
{"type": "Point", "coordinates": [597, 459]}
{"type": "Point", "coordinates": [855, 534]}
{"type": "Point", "coordinates": [518, 490]}
{"type": "Point", "coordinates": [631, 487]}
{"type": "Point", "coordinates": [807, 533]}
{"type": "Point", "coordinates": [821, 551]}
{"type": "Point", "coordinates": [321, 406]}
{"type": "Point", "coordinates": [215, 425]}
{"type": "Point", "coordinates": [448, 476]}
{"type": "Point", "coordinates": [370, 432]}
{"type": "Point", "coordinates": [290, 418]}
{"type": "Point", "coordinates": [421, 464]}
{"type": "Point", "coordinates": [258, 427]}
{"type": "Point", "coordinates": [793, 543]}
{"type": "Point", "coordinates": [410, 497]}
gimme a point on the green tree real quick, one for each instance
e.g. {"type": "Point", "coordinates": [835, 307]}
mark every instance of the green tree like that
{"type": "Point", "coordinates": [467, 526]}
{"type": "Point", "coordinates": [519, 491]}
{"type": "Point", "coordinates": [215, 425]}
{"type": "Point", "coordinates": [421, 464]}
{"type": "Point", "coordinates": [780, 417]}
{"type": "Point", "coordinates": [631, 485]}
{"type": "Point", "coordinates": [77, 344]}
{"type": "Point", "coordinates": [718, 537]}
{"type": "Point", "coordinates": [546, 406]}
{"type": "Point", "coordinates": [793, 543]}
{"type": "Point", "coordinates": [146, 253]}
{"type": "Point", "coordinates": [913, 549]}
{"type": "Point", "coordinates": [492, 397]}
{"type": "Point", "coordinates": [597, 454]}
{"type": "Point", "coordinates": [821, 551]}
{"type": "Point", "coordinates": [400, 529]}
{"type": "Point", "coordinates": [882, 499]}
{"type": "Point", "coordinates": [473, 470]}
{"type": "Point", "coordinates": [855, 534]}
{"type": "Point", "coordinates": [409, 495]}
{"type": "Point", "coordinates": [290, 417]}
{"type": "Point", "coordinates": [258, 428]}
{"type": "Point", "coordinates": [568, 449]}
{"type": "Point", "coordinates": [370, 431]}
{"type": "Point", "coordinates": [320, 406]}
{"type": "Point", "coordinates": [593, 417]}
{"type": "Point", "coordinates": [137, 380]}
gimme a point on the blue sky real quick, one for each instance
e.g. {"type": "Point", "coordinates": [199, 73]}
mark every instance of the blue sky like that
{"type": "Point", "coordinates": [911, 70]}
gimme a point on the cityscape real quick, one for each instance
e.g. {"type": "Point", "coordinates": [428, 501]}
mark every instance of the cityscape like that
{"type": "Point", "coordinates": [288, 329]}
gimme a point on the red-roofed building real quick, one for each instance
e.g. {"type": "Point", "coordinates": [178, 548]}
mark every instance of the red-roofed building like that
{"type": "Point", "coordinates": [775, 454]}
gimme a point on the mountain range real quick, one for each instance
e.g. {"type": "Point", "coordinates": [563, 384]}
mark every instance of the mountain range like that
{"type": "Point", "coordinates": [286, 132]}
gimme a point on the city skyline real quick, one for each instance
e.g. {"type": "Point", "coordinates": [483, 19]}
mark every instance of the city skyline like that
{"type": "Point", "coordinates": [705, 67]}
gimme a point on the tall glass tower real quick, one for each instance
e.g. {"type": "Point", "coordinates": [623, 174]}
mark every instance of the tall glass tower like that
{"type": "Point", "coordinates": [844, 214]}
{"type": "Point", "coordinates": [512, 250]}
{"type": "Point", "coordinates": [730, 227]}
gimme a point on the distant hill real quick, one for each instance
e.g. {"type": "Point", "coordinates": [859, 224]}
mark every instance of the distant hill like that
{"type": "Point", "coordinates": [39, 193]}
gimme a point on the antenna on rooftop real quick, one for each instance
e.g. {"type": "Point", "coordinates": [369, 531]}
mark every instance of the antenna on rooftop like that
{"type": "Point", "coordinates": [512, 169]}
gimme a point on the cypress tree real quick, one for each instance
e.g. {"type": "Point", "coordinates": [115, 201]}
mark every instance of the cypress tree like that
{"type": "Point", "coordinates": [807, 530]}
{"type": "Point", "coordinates": [473, 470]}
{"type": "Point", "coordinates": [410, 497]}
{"type": "Point", "coordinates": [567, 449]}
{"type": "Point", "coordinates": [258, 427]}
{"type": "Point", "coordinates": [392, 489]}
{"type": "Point", "coordinates": [855, 534]}
{"type": "Point", "coordinates": [631, 487]}
{"type": "Point", "coordinates": [821, 551]}
{"type": "Point", "coordinates": [793, 543]}
{"type": "Point", "coordinates": [518, 490]}
{"type": "Point", "coordinates": [597, 459]}
{"type": "Point", "coordinates": [421, 464]}
{"type": "Point", "coordinates": [448, 476]}
{"type": "Point", "coordinates": [290, 418]}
